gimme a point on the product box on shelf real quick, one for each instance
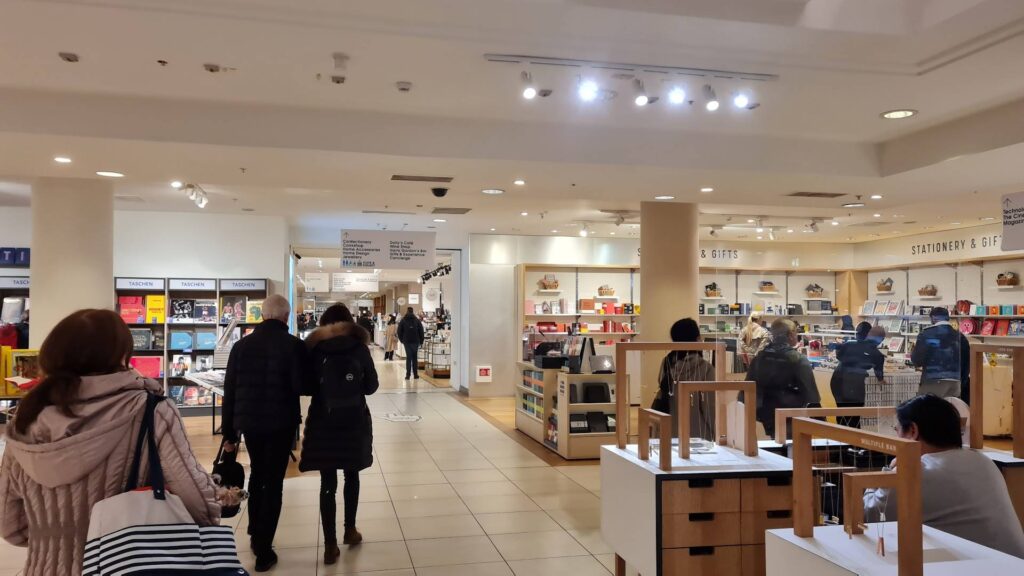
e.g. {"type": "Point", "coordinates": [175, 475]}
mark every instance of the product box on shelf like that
{"type": "Point", "coordinates": [132, 309]}
{"type": "Point", "coordinates": [148, 366]}
{"type": "Point", "coordinates": [142, 338]}
{"type": "Point", "coordinates": [182, 311]}
{"type": "Point", "coordinates": [586, 305]}
{"type": "Point", "coordinates": [181, 340]}
{"type": "Point", "coordinates": [156, 308]}
{"type": "Point", "coordinates": [254, 311]}
{"type": "Point", "coordinates": [205, 311]}
{"type": "Point", "coordinates": [205, 340]}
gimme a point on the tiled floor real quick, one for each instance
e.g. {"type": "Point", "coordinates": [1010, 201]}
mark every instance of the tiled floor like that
{"type": "Point", "coordinates": [449, 495]}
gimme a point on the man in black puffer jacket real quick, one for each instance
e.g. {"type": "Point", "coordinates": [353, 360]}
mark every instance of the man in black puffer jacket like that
{"type": "Point", "coordinates": [261, 402]}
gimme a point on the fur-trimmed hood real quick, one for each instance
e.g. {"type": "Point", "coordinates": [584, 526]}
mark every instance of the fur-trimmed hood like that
{"type": "Point", "coordinates": [340, 334]}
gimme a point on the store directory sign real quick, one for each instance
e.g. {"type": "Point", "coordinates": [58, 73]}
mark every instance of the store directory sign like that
{"type": "Point", "coordinates": [1013, 221]}
{"type": "Point", "coordinates": [354, 282]}
{"type": "Point", "coordinates": [387, 250]}
{"type": "Point", "coordinates": [317, 282]}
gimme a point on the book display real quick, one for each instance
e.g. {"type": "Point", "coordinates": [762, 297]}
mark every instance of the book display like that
{"type": "Point", "coordinates": [175, 324]}
{"type": "Point", "coordinates": [730, 296]}
{"type": "Point", "coordinates": [14, 298]}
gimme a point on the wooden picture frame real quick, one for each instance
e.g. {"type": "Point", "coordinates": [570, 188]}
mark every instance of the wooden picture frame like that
{"type": "Point", "coordinates": [741, 435]}
{"type": "Point", "coordinates": [622, 395]}
{"type": "Point", "coordinates": [907, 481]}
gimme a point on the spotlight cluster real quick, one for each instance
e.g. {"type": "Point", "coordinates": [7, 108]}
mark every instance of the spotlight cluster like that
{"type": "Point", "coordinates": [441, 270]}
{"type": "Point", "coordinates": [194, 192]}
{"type": "Point", "coordinates": [589, 89]}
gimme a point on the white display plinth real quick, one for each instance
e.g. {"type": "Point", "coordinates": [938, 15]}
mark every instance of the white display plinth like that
{"type": "Point", "coordinates": [832, 552]}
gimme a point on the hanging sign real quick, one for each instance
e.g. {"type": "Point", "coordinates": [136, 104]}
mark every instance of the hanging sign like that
{"type": "Point", "coordinates": [386, 249]}
{"type": "Point", "coordinates": [14, 282]}
{"type": "Point", "coordinates": [1013, 222]}
{"type": "Point", "coordinates": [414, 298]}
{"type": "Point", "coordinates": [317, 282]}
{"type": "Point", "coordinates": [354, 282]}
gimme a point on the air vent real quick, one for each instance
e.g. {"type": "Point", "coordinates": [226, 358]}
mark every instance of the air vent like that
{"type": "Point", "coordinates": [815, 194]}
{"type": "Point", "coordinates": [437, 179]}
{"type": "Point", "coordinates": [128, 198]}
{"type": "Point", "coordinates": [451, 210]}
{"type": "Point", "coordinates": [389, 212]}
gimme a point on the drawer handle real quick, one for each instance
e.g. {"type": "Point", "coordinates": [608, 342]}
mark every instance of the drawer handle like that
{"type": "Point", "coordinates": [780, 513]}
{"type": "Point", "coordinates": [702, 483]}
{"type": "Point", "coordinates": [702, 551]}
{"type": "Point", "coordinates": [702, 517]}
{"type": "Point", "coordinates": [780, 481]}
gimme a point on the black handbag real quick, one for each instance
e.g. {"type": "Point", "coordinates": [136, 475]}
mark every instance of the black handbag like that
{"type": "Point", "coordinates": [231, 475]}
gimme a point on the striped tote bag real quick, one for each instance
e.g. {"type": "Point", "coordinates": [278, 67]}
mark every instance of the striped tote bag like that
{"type": "Point", "coordinates": [149, 531]}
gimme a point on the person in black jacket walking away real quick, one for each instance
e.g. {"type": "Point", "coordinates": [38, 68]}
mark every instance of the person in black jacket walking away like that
{"type": "Point", "coordinates": [410, 334]}
{"type": "Point", "coordinates": [339, 432]}
{"type": "Point", "coordinates": [783, 375]}
{"type": "Point", "coordinates": [261, 402]}
{"type": "Point", "coordinates": [944, 356]}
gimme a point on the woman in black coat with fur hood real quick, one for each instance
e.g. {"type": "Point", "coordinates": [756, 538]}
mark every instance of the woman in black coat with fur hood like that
{"type": "Point", "coordinates": [338, 433]}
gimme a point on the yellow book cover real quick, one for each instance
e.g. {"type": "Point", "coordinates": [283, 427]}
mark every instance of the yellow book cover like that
{"type": "Point", "coordinates": [22, 369]}
{"type": "Point", "coordinates": [254, 311]}
{"type": "Point", "coordinates": [156, 309]}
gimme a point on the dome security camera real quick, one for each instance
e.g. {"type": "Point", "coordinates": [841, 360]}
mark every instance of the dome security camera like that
{"type": "Point", "coordinates": [439, 192]}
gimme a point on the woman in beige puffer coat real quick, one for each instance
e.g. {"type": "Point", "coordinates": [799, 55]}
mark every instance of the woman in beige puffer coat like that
{"type": "Point", "coordinates": [72, 443]}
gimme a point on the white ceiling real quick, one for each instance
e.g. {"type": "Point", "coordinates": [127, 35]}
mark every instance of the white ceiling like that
{"type": "Point", "coordinates": [320, 154]}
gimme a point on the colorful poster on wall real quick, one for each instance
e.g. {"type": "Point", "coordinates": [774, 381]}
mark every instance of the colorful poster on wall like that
{"type": "Point", "coordinates": [387, 250]}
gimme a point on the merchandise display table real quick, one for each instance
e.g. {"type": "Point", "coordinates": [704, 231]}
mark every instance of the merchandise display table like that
{"type": "Point", "coordinates": [831, 552]}
{"type": "Point", "coordinates": [707, 516]}
{"type": "Point", "coordinates": [1013, 473]}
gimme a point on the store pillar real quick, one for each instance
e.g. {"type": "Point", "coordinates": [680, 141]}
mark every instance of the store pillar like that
{"type": "Point", "coordinates": [72, 250]}
{"type": "Point", "coordinates": [669, 270]}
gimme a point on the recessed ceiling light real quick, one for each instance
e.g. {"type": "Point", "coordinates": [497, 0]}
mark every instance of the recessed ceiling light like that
{"type": "Point", "coordinates": [493, 229]}
{"type": "Point", "coordinates": [760, 237]}
{"type": "Point", "coordinates": [612, 233]}
{"type": "Point", "coordinates": [835, 222]}
{"type": "Point", "coordinates": [750, 220]}
{"type": "Point", "coordinates": [177, 184]}
{"type": "Point", "coordinates": [110, 174]}
{"type": "Point", "coordinates": [664, 197]}
{"type": "Point", "coordinates": [853, 205]}
{"type": "Point", "coordinates": [898, 114]}
{"type": "Point", "coordinates": [807, 231]}
{"type": "Point", "coordinates": [988, 218]}
{"type": "Point", "coordinates": [789, 231]}
{"type": "Point", "coordinates": [955, 223]}
{"type": "Point", "coordinates": [554, 231]}
{"type": "Point", "coordinates": [524, 213]}
{"type": "Point", "coordinates": [519, 182]}
{"type": "Point", "coordinates": [897, 215]}
{"type": "Point", "coordinates": [62, 160]}
{"type": "Point", "coordinates": [493, 191]}
{"type": "Point", "coordinates": [877, 215]}
{"type": "Point", "coordinates": [759, 230]}
{"type": "Point", "coordinates": [440, 220]}
{"type": "Point", "coordinates": [707, 189]}
{"type": "Point", "coordinates": [876, 196]}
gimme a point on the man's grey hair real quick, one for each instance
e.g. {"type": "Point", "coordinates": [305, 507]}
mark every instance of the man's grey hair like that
{"type": "Point", "coordinates": [276, 307]}
{"type": "Point", "coordinates": [782, 329]}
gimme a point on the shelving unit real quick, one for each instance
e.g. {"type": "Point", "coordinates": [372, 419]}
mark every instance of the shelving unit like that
{"type": "Point", "coordinates": [534, 400]}
{"type": "Point", "coordinates": [581, 445]}
{"type": "Point", "coordinates": [438, 359]}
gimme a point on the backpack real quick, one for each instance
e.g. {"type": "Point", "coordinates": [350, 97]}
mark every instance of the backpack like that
{"type": "Point", "coordinates": [341, 382]}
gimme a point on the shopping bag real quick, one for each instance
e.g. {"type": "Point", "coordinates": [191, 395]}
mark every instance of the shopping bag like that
{"type": "Point", "coordinates": [149, 531]}
{"type": "Point", "coordinates": [229, 474]}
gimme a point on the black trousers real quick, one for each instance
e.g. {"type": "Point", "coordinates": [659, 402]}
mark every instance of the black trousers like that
{"type": "Point", "coordinates": [328, 502]}
{"type": "Point", "coordinates": [268, 455]}
{"type": "Point", "coordinates": [411, 361]}
{"type": "Point", "coordinates": [389, 355]}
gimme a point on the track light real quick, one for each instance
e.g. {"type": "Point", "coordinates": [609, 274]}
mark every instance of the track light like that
{"type": "Point", "coordinates": [677, 95]}
{"type": "Point", "coordinates": [813, 226]}
{"type": "Point", "coordinates": [202, 201]}
{"type": "Point", "coordinates": [714, 231]}
{"type": "Point", "coordinates": [177, 184]}
{"type": "Point", "coordinates": [529, 90]}
{"type": "Point", "coordinates": [771, 233]}
{"type": "Point", "coordinates": [740, 100]}
{"type": "Point", "coordinates": [588, 90]}
{"type": "Point", "coordinates": [711, 99]}
{"type": "Point", "coordinates": [191, 192]}
{"type": "Point", "coordinates": [585, 231]}
{"type": "Point", "coordinates": [642, 99]}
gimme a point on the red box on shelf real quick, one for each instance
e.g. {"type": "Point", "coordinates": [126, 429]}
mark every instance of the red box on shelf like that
{"type": "Point", "coordinates": [544, 327]}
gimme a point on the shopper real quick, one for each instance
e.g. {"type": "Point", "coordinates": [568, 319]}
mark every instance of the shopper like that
{"type": "Point", "coordinates": [962, 491]}
{"type": "Point", "coordinates": [261, 402]}
{"type": "Point", "coordinates": [391, 337]}
{"type": "Point", "coordinates": [366, 323]}
{"type": "Point", "coordinates": [410, 334]}
{"type": "Point", "coordinates": [687, 366]}
{"type": "Point", "coordinates": [856, 359]}
{"type": "Point", "coordinates": [944, 356]}
{"type": "Point", "coordinates": [783, 375]}
{"type": "Point", "coordinates": [339, 433]}
{"type": "Point", "coordinates": [72, 443]}
{"type": "Point", "coordinates": [753, 339]}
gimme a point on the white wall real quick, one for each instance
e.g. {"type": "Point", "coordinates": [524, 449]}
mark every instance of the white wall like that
{"type": "Point", "coordinates": [167, 244]}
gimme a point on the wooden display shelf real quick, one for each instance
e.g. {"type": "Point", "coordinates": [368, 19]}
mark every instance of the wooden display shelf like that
{"type": "Point", "coordinates": [529, 391]}
{"type": "Point", "coordinates": [582, 445]}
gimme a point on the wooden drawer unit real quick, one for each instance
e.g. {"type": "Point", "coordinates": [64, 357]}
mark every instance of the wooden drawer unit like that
{"type": "Point", "coordinates": [753, 524]}
{"type": "Point", "coordinates": [761, 494]}
{"type": "Point", "coordinates": [720, 561]}
{"type": "Point", "coordinates": [700, 495]}
{"type": "Point", "coordinates": [752, 560]}
{"type": "Point", "coordinates": [700, 529]}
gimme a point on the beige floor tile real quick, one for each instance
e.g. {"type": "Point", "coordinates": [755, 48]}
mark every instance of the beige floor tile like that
{"type": "Point", "coordinates": [592, 540]}
{"type": "Point", "coordinates": [485, 569]}
{"type": "Point", "coordinates": [574, 565]}
{"type": "Point", "coordinates": [441, 527]}
{"type": "Point", "coordinates": [518, 462]}
{"type": "Point", "coordinates": [411, 478]}
{"type": "Point", "coordinates": [500, 503]}
{"type": "Point", "coordinates": [516, 474]}
{"type": "Point", "coordinates": [371, 511]}
{"type": "Point", "coordinates": [550, 486]}
{"type": "Point", "coordinates": [449, 551]}
{"type": "Point", "coordinates": [582, 500]}
{"type": "Point", "coordinates": [422, 492]}
{"type": "Point", "coordinates": [577, 519]}
{"type": "Point", "coordinates": [300, 536]}
{"type": "Point", "coordinates": [373, 529]}
{"type": "Point", "coordinates": [514, 522]}
{"type": "Point", "coordinates": [298, 516]}
{"type": "Point", "coordinates": [464, 464]}
{"type": "Point", "coordinates": [368, 557]}
{"type": "Point", "coordinates": [403, 466]}
{"type": "Point", "coordinates": [486, 488]}
{"type": "Point", "coordinates": [530, 545]}
{"type": "Point", "coordinates": [432, 507]}
{"type": "Point", "coordinates": [466, 476]}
